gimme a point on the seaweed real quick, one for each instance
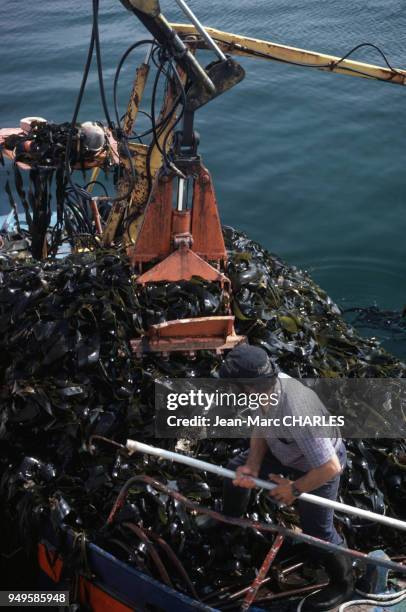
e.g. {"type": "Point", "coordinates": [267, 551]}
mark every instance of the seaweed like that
{"type": "Point", "coordinates": [67, 374]}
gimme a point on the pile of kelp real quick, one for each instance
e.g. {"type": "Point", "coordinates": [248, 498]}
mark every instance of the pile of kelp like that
{"type": "Point", "coordinates": [68, 374]}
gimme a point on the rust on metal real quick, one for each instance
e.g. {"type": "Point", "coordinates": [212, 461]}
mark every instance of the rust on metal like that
{"type": "Point", "coordinates": [182, 264]}
{"type": "Point", "coordinates": [137, 201]}
{"type": "Point", "coordinates": [175, 561]}
{"type": "Point", "coordinates": [161, 223]}
{"type": "Point", "coordinates": [154, 238]}
{"type": "Point", "coordinates": [141, 76]}
{"type": "Point", "coordinates": [189, 335]}
{"type": "Point", "coordinates": [291, 592]}
{"type": "Point", "coordinates": [263, 49]}
{"type": "Point", "coordinates": [208, 241]}
{"type": "Point", "coordinates": [96, 216]}
{"type": "Point", "coordinates": [152, 551]}
{"type": "Point", "coordinates": [181, 222]}
{"type": "Point", "coordinates": [242, 522]}
{"type": "Point", "coordinates": [264, 569]}
{"type": "Point", "coordinates": [185, 244]}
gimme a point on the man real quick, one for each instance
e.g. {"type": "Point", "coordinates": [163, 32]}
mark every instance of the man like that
{"type": "Point", "coordinates": [299, 464]}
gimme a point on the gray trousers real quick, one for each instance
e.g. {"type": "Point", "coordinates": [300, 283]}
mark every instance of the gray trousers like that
{"type": "Point", "coordinates": [315, 520]}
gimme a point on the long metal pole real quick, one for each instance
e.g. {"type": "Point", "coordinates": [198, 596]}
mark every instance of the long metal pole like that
{"type": "Point", "coordinates": [134, 446]}
{"type": "Point", "coordinates": [199, 27]}
{"type": "Point", "coordinates": [263, 570]}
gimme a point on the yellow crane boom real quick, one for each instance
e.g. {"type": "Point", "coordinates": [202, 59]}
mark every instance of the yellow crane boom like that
{"type": "Point", "coordinates": [232, 44]}
{"type": "Point", "coordinates": [235, 44]}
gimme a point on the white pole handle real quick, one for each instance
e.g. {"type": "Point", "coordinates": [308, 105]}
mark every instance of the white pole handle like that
{"type": "Point", "coordinates": [134, 446]}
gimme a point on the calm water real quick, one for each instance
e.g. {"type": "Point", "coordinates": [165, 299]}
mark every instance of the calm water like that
{"type": "Point", "coordinates": [310, 164]}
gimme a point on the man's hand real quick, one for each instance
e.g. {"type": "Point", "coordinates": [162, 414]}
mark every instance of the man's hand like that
{"type": "Point", "coordinates": [283, 492]}
{"type": "Point", "coordinates": [244, 476]}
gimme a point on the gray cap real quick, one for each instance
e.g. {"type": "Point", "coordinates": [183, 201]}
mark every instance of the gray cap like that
{"type": "Point", "coordinates": [246, 361]}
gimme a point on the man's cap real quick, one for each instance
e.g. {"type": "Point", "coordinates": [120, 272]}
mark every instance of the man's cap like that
{"type": "Point", "coordinates": [246, 361]}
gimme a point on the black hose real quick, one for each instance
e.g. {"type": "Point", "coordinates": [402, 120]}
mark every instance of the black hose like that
{"type": "Point", "coordinates": [68, 171]}
{"type": "Point", "coordinates": [331, 65]}
{"type": "Point", "coordinates": [183, 95]}
{"type": "Point", "coordinates": [100, 64]}
{"type": "Point", "coordinates": [95, 43]}
{"type": "Point", "coordinates": [153, 102]}
{"type": "Point", "coordinates": [96, 183]}
{"type": "Point", "coordinates": [118, 70]}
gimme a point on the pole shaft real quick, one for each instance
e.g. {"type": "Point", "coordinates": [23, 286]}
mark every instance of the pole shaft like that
{"type": "Point", "coordinates": [133, 446]}
{"type": "Point", "coordinates": [184, 51]}
{"type": "Point", "coordinates": [199, 27]}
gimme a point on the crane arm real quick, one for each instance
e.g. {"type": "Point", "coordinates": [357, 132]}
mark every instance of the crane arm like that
{"type": "Point", "coordinates": [236, 44]}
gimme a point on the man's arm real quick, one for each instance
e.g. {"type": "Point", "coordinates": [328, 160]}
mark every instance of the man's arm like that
{"type": "Point", "coordinates": [314, 479]}
{"type": "Point", "coordinates": [258, 449]}
{"type": "Point", "coordinates": [318, 476]}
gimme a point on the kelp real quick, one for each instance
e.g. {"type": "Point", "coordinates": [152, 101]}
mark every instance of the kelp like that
{"type": "Point", "coordinates": [286, 313]}
{"type": "Point", "coordinates": [67, 374]}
